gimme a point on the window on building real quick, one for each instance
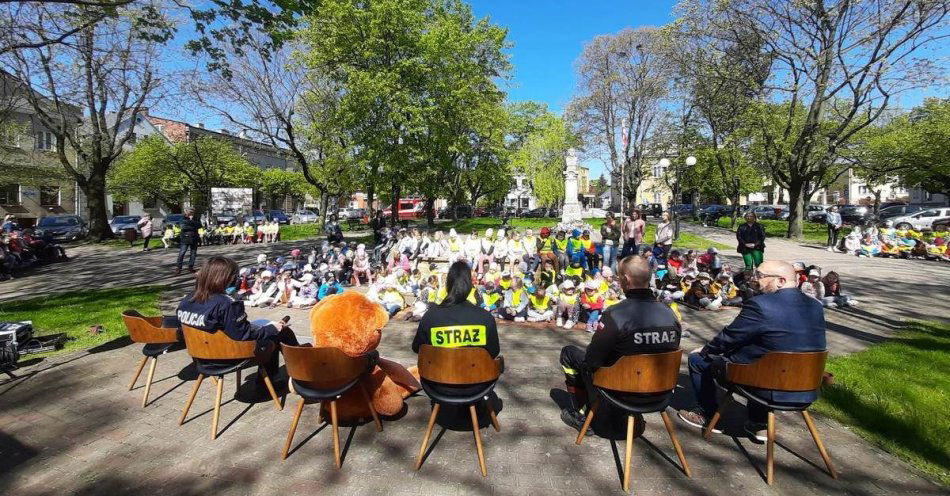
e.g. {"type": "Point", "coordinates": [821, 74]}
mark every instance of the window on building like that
{"type": "Point", "coordinates": [44, 141]}
{"type": "Point", "coordinates": [49, 196]}
{"type": "Point", "coordinates": [863, 190]}
{"type": "Point", "coordinates": [149, 203]}
{"type": "Point", "coordinates": [9, 194]}
{"type": "Point", "coordinates": [10, 136]}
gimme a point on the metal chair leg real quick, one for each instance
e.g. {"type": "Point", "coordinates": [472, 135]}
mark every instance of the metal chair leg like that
{"type": "Point", "coordinates": [821, 446]}
{"type": "Point", "coordinates": [478, 441]}
{"type": "Point", "coordinates": [191, 399]}
{"type": "Point", "coordinates": [293, 429]}
{"type": "Point", "coordinates": [676, 443]}
{"type": "Point", "coordinates": [138, 372]}
{"type": "Point", "coordinates": [590, 418]}
{"type": "Point", "coordinates": [148, 381]}
{"type": "Point", "coordinates": [425, 440]}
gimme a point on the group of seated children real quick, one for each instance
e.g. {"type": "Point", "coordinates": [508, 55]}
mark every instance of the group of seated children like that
{"type": "Point", "coordinates": [701, 281]}
{"type": "Point", "coordinates": [295, 281]}
{"type": "Point", "coordinates": [870, 241]}
{"type": "Point", "coordinates": [230, 233]}
{"type": "Point", "coordinates": [825, 289]}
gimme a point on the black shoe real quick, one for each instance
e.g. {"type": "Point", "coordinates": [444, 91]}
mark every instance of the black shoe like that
{"type": "Point", "coordinates": [756, 431]}
{"type": "Point", "coordinates": [572, 417]}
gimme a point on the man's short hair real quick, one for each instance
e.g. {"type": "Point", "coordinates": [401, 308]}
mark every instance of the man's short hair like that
{"type": "Point", "coordinates": [635, 272]}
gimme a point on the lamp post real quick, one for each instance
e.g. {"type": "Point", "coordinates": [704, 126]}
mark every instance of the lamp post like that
{"type": "Point", "coordinates": [664, 165]}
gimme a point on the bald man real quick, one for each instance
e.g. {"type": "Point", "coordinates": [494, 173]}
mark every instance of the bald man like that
{"type": "Point", "coordinates": [638, 324]}
{"type": "Point", "coordinates": [782, 318]}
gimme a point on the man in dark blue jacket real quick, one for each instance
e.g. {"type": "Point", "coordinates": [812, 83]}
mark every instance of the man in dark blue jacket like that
{"type": "Point", "coordinates": [780, 319]}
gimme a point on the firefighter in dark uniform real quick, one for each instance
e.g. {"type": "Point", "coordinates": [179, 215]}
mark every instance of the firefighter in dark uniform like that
{"type": "Point", "coordinates": [210, 308]}
{"type": "Point", "coordinates": [638, 324]}
{"type": "Point", "coordinates": [458, 322]}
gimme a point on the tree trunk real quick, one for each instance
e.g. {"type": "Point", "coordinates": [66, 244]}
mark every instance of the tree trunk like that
{"type": "Point", "coordinates": [394, 218]}
{"type": "Point", "coordinates": [877, 201]}
{"type": "Point", "coordinates": [430, 211]}
{"type": "Point", "coordinates": [370, 198]}
{"type": "Point", "coordinates": [324, 205]}
{"type": "Point", "coordinates": [95, 191]}
{"type": "Point", "coordinates": [796, 208]}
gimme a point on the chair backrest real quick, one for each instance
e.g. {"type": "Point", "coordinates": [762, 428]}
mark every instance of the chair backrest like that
{"type": "Point", "coordinates": [322, 368]}
{"type": "Point", "coordinates": [148, 329]}
{"type": "Point", "coordinates": [646, 373]}
{"type": "Point", "coordinates": [215, 345]}
{"type": "Point", "coordinates": [781, 371]}
{"type": "Point", "coordinates": [458, 366]}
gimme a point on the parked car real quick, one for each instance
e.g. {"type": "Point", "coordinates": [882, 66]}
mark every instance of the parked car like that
{"type": "Point", "coordinates": [782, 213]}
{"type": "Point", "coordinates": [537, 212]}
{"type": "Point", "coordinates": [921, 220]}
{"type": "Point", "coordinates": [120, 222]}
{"type": "Point", "coordinates": [279, 216]}
{"type": "Point", "coordinates": [890, 212]}
{"type": "Point", "coordinates": [941, 224]}
{"type": "Point", "coordinates": [257, 217]}
{"type": "Point", "coordinates": [816, 213]}
{"type": "Point", "coordinates": [854, 214]}
{"type": "Point", "coordinates": [62, 227]}
{"type": "Point", "coordinates": [303, 217]}
{"type": "Point", "coordinates": [461, 211]}
{"type": "Point", "coordinates": [172, 220]}
{"type": "Point", "coordinates": [228, 216]}
{"type": "Point", "coordinates": [890, 204]}
{"type": "Point", "coordinates": [765, 212]}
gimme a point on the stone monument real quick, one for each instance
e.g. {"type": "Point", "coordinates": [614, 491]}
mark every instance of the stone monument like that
{"type": "Point", "coordinates": [571, 213]}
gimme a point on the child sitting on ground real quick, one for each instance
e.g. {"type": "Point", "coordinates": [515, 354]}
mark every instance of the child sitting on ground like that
{"type": "Point", "coordinates": [813, 287]}
{"type": "Point", "coordinates": [390, 298]}
{"type": "Point", "coordinates": [515, 306]}
{"type": "Point", "coordinates": [726, 290]}
{"type": "Point", "coordinates": [491, 298]}
{"type": "Point", "coordinates": [833, 297]}
{"type": "Point", "coordinates": [711, 261]}
{"type": "Point", "coordinates": [700, 293]}
{"type": "Point", "coordinates": [330, 286]}
{"type": "Point", "coordinates": [307, 294]}
{"type": "Point", "coordinates": [568, 305]}
{"type": "Point", "coordinates": [264, 290]}
{"type": "Point", "coordinates": [540, 308]}
{"type": "Point", "coordinates": [592, 303]}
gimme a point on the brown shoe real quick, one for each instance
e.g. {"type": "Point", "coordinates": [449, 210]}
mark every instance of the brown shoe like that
{"type": "Point", "coordinates": [696, 419]}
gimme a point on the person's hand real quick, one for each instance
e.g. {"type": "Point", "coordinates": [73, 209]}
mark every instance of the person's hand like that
{"type": "Point", "coordinates": [697, 350]}
{"type": "Point", "coordinates": [750, 245]}
{"type": "Point", "coordinates": [279, 325]}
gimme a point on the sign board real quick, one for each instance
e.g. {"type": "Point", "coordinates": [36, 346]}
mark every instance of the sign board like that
{"type": "Point", "coordinates": [758, 197]}
{"type": "Point", "coordinates": [239, 200]}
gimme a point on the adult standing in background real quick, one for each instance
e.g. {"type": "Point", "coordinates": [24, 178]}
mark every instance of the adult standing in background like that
{"type": "Point", "coordinates": [833, 220]}
{"type": "Point", "coordinates": [188, 240]}
{"type": "Point", "coordinates": [664, 234]}
{"type": "Point", "coordinates": [610, 236]}
{"type": "Point", "coordinates": [751, 237]}
{"type": "Point", "coordinates": [145, 226]}
{"type": "Point", "coordinates": [639, 230]}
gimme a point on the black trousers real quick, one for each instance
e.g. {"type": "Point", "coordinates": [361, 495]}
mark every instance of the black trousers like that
{"type": "Point", "coordinates": [269, 349]}
{"type": "Point", "coordinates": [577, 378]}
{"type": "Point", "coordinates": [832, 236]}
{"type": "Point", "coordinates": [182, 249]}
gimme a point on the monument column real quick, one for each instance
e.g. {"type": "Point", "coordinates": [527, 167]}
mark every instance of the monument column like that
{"type": "Point", "coordinates": [572, 208]}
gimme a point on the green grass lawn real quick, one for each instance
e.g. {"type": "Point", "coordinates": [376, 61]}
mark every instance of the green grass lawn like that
{"type": "Point", "coordinates": [75, 311]}
{"type": "Point", "coordinates": [812, 232]}
{"type": "Point", "coordinates": [896, 394]}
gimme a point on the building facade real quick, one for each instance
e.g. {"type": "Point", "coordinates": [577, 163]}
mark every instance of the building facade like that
{"type": "Point", "coordinates": [33, 181]}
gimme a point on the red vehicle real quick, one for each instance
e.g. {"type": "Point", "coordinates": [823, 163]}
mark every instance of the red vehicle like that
{"type": "Point", "coordinates": [409, 208]}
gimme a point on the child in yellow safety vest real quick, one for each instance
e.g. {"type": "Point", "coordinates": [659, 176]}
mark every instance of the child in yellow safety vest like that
{"type": "Point", "coordinates": [568, 305]}
{"type": "Point", "coordinates": [491, 298]}
{"type": "Point", "coordinates": [515, 306]}
{"type": "Point", "coordinates": [540, 306]}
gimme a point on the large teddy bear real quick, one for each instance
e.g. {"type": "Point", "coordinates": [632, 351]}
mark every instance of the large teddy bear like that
{"type": "Point", "coordinates": [354, 324]}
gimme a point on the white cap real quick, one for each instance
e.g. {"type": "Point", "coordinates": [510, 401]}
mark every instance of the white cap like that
{"type": "Point", "coordinates": [261, 258]}
{"type": "Point", "coordinates": [592, 285]}
{"type": "Point", "coordinates": [452, 233]}
{"type": "Point", "coordinates": [267, 273]}
{"type": "Point", "coordinates": [568, 284]}
{"type": "Point", "coordinates": [814, 272]}
{"type": "Point", "coordinates": [501, 233]}
{"type": "Point", "coordinates": [489, 233]}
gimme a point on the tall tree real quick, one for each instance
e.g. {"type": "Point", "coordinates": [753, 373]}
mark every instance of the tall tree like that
{"type": "Point", "coordinates": [158, 170]}
{"type": "Point", "coordinates": [835, 66]}
{"type": "Point", "coordinates": [623, 80]}
{"type": "Point", "coordinates": [541, 157]}
{"type": "Point", "coordinates": [110, 71]}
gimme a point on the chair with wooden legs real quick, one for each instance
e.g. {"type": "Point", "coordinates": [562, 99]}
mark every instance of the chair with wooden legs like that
{"type": "Point", "coordinates": [465, 366]}
{"type": "Point", "coordinates": [777, 371]}
{"type": "Point", "coordinates": [157, 339]}
{"type": "Point", "coordinates": [652, 377]}
{"type": "Point", "coordinates": [325, 375]}
{"type": "Point", "coordinates": [216, 355]}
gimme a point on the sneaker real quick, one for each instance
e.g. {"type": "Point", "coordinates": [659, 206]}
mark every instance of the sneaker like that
{"type": "Point", "coordinates": [695, 418]}
{"type": "Point", "coordinates": [589, 329]}
{"type": "Point", "coordinates": [569, 324]}
{"type": "Point", "coordinates": [756, 431]}
{"type": "Point", "coordinates": [572, 418]}
{"type": "Point", "coordinates": [560, 322]}
{"type": "Point", "coordinates": [532, 319]}
{"type": "Point", "coordinates": [519, 319]}
{"type": "Point", "coordinates": [831, 249]}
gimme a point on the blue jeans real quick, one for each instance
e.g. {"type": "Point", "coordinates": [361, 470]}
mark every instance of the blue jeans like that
{"type": "Point", "coordinates": [182, 248]}
{"type": "Point", "coordinates": [610, 256]}
{"type": "Point", "coordinates": [629, 248]}
{"type": "Point", "coordinates": [592, 316]}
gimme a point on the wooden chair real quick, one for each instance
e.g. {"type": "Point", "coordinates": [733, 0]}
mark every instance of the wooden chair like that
{"type": "Point", "coordinates": [466, 366]}
{"type": "Point", "coordinates": [157, 339]}
{"type": "Point", "coordinates": [777, 371]}
{"type": "Point", "coordinates": [652, 376]}
{"type": "Point", "coordinates": [326, 374]}
{"type": "Point", "coordinates": [215, 355]}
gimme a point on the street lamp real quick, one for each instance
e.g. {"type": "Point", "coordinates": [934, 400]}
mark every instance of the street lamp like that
{"type": "Point", "coordinates": [665, 164]}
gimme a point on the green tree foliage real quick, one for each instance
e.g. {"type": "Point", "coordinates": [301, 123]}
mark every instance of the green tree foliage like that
{"type": "Point", "coordinates": [277, 184]}
{"type": "Point", "coordinates": [157, 170]}
{"type": "Point", "coordinates": [541, 156]}
{"type": "Point", "coordinates": [918, 147]}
